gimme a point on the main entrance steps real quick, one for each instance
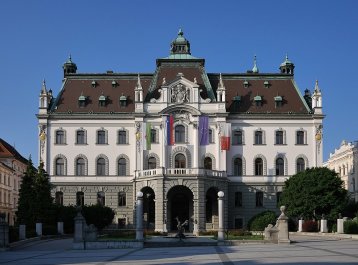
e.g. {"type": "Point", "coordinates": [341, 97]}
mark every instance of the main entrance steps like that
{"type": "Point", "coordinates": [172, 241]}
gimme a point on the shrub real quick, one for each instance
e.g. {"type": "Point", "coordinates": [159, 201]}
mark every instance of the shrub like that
{"type": "Point", "coordinates": [209, 233]}
{"type": "Point", "coordinates": [310, 226]}
{"type": "Point", "coordinates": [13, 234]}
{"type": "Point", "coordinates": [260, 221]}
{"type": "Point", "coordinates": [239, 232]}
{"type": "Point", "coordinates": [49, 230]}
{"type": "Point", "coordinates": [350, 227]}
{"type": "Point", "coordinates": [334, 228]}
{"type": "Point", "coordinates": [99, 216]}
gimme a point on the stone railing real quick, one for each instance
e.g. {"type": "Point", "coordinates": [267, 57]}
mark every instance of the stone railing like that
{"type": "Point", "coordinates": [179, 172]}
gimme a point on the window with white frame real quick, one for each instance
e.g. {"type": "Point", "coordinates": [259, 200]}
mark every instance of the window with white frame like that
{"type": "Point", "coordinates": [101, 137]}
{"type": "Point", "coordinates": [60, 137]}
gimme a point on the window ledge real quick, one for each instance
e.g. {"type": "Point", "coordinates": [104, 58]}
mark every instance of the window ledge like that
{"type": "Point", "coordinates": [60, 144]}
{"type": "Point", "coordinates": [81, 144]}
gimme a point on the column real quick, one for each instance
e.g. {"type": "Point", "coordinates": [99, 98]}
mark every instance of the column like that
{"type": "Point", "coordinates": [195, 143]}
{"type": "Point", "coordinates": [221, 215]}
{"type": "Point", "coordinates": [60, 230]}
{"type": "Point", "coordinates": [300, 224]}
{"type": "Point", "coordinates": [340, 226]}
{"type": "Point", "coordinates": [39, 229]}
{"type": "Point", "coordinates": [22, 232]}
{"type": "Point", "coordinates": [139, 216]}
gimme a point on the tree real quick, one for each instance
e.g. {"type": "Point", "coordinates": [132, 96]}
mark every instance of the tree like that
{"type": "Point", "coordinates": [314, 192]}
{"type": "Point", "coordinates": [26, 196]}
{"type": "Point", "coordinates": [42, 203]}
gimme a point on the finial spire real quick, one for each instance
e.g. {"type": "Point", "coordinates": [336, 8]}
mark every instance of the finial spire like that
{"type": "Point", "coordinates": [180, 32]}
{"type": "Point", "coordinates": [221, 83]}
{"type": "Point", "coordinates": [255, 69]}
{"type": "Point", "coordinates": [316, 88]}
{"type": "Point", "coordinates": [139, 84]}
{"type": "Point", "coordinates": [43, 88]}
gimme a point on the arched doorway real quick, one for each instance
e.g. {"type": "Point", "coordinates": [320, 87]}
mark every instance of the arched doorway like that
{"type": "Point", "coordinates": [180, 204]}
{"type": "Point", "coordinates": [148, 208]}
{"type": "Point", "coordinates": [211, 208]}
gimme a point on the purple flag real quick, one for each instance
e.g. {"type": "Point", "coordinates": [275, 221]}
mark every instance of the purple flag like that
{"type": "Point", "coordinates": [204, 130]}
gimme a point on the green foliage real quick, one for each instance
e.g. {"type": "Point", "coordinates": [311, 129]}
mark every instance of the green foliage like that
{"type": "Point", "coordinates": [100, 216]}
{"type": "Point", "coordinates": [351, 209]}
{"type": "Point", "coordinates": [260, 221]}
{"type": "Point", "coordinates": [315, 191]}
{"type": "Point", "coordinates": [350, 227]}
{"type": "Point", "coordinates": [13, 233]}
{"type": "Point", "coordinates": [27, 196]}
{"type": "Point", "coordinates": [66, 214]}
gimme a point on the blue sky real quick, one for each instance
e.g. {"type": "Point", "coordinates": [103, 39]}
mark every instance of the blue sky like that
{"type": "Point", "coordinates": [320, 37]}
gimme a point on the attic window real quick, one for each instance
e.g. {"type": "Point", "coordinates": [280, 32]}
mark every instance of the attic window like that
{"type": "Point", "coordinates": [278, 101]}
{"type": "Point", "coordinates": [266, 84]}
{"type": "Point", "coordinates": [114, 83]}
{"type": "Point", "coordinates": [246, 84]}
{"type": "Point", "coordinates": [82, 101]}
{"type": "Point", "coordinates": [123, 101]}
{"type": "Point", "coordinates": [258, 101]}
{"type": "Point", "coordinates": [94, 84]}
{"type": "Point", "coordinates": [102, 101]}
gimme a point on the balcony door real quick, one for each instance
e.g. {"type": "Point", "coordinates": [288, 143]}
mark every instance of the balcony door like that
{"type": "Point", "coordinates": [180, 161]}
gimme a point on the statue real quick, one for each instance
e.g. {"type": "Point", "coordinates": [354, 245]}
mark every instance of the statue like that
{"type": "Point", "coordinates": [181, 228]}
{"type": "Point", "coordinates": [180, 94]}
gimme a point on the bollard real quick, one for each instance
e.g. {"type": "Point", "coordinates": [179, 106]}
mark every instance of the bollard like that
{"type": "Point", "coordinates": [221, 215]}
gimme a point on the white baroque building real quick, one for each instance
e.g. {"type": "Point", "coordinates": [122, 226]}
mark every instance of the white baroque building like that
{"type": "Point", "coordinates": [93, 139]}
{"type": "Point", "coordinates": [344, 161]}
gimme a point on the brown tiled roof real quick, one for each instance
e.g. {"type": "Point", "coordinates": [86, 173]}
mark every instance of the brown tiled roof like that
{"type": "Point", "coordinates": [279, 85]}
{"type": "Point", "coordinates": [77, 85]}
{"type": "Point", "coordinates": [10, 151]}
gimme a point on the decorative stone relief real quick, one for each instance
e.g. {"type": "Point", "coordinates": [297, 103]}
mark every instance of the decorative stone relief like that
{"type": "Point", "coordinates": [180, 94]}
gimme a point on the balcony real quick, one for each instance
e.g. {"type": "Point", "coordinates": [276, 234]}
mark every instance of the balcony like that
{"type": "Point", "coordinates": [182, 172]}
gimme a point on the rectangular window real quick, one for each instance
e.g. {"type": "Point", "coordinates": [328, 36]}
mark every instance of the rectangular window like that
{"type": "Point", "coordinates": [211, 136]}
{"type": "Point", "coordinates": [300, 137]}
{"type": "Point", "coordinates": [60, 137]}
{"type": "Point", "coordinates": [238, 199]}
{"type": "Point", "coordinates": [278, 198]}
{"type": "Point", "coordinates": [122, 137]}
{"type": "Point", "coordinates": [237, 138]}
{"type": "Point", "coordinates": [279, 137]}
{"type": "Point", "coordinates": [122, 199]}
{"type": "Point", "coordinates": [101, 137]}
{"type": "Point", "coordinates": [259, 199]}
{"type": "Point", "coordinates": [258, 137]}
{"type": "Point", "coordinates": [80, 198]}
{"type": "Point", "coordinates": [153, 135]}
{"type": "Point", "coordinates": [239, 223]}
{"type": "Point", "coordinates": [80, 137]}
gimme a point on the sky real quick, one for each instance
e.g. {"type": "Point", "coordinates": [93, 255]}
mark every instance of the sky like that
{"type": "Point", "coordinates": [36, 38]}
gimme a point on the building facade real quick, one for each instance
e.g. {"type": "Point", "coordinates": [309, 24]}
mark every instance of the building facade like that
{"type": "Point", "coordinates": [344, 161]}
{"type": "Point", "coordinates": [179, 135]}
{"type": "Point", "coordinates": [12, 168]}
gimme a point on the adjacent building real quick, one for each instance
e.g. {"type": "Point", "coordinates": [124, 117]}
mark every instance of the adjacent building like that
{"type": "Point", "coordinates": [179, 135]}
{"type": "Point", "coordinates": [344, 161]}
{"type": "Point", "coordinates": [12, 168]}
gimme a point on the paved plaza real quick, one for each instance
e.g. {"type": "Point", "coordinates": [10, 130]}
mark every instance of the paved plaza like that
{"type": "Point", "coordinates": [306, 250]}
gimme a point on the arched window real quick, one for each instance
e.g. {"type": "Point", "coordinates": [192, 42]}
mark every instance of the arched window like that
{"type": "Point", "coordinates": [180, 161]}
{"type": "Point", "coordinates": [259, 166]}
{"type": "Point", "coordinates": [80, 167]}
{"type": "Point", "coordinates": [80, 198]}
{"type": "Point", "coordinates": [280, 165]}
{"type": "Point", "coordinates": [238, 167]}
{"type": "Point", "coordinates": [208, 163]}
{"type": "Point", "coordinates": [152, 163]}
{"type": "Point", "coordinates": [300, 165]}
{"type": "Point", "coordinates": [59, 198]}
{"type": "Point", "coordinates": [122, 167]}
{"type": "Point", "coordinates": [179, 134]}
{"type": "Point", "coordinates": [60, 167]}
{"type": "Point", "coordinates": [101, 198]}
{"type": "Point", "coordinates": [101, 166]}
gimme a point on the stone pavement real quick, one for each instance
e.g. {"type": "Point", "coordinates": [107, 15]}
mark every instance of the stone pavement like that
{"type": "Point", "coordinates": [306, 250]}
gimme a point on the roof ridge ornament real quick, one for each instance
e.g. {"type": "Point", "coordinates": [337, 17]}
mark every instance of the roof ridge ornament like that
{"type": "Point", "coordinates": [255, 70]}
{"type": "Point", "coordinates": [316, 88]}
{"type": "Point", "coordinates": [43, 88]}
{"type": "Point", "coordinates": [221, 83]}
{"type": "Point", "coordinates": [139, 84]}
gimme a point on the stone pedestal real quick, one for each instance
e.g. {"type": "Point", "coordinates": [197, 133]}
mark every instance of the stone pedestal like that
{"type": "Point", "coordinates": [39, 229]}
{"type": "Point", "coordinates": [282, 225]}
{"type": "Point", "coordinates": [60, 228]}
{"type": "Point", "coordinates": [300, 224]}
{"type": "Point", "coordinates": [221, 235]}
{"type": "Point", "coordinates": [324, 228]}
{"type": "Point", "coordinates": [139, 217]}
{"type": "Point", "coordinates": [22, 232]}
{"type": "Point", "coordinates": [4, 234]}
{"type": "Point", "coordinates": [79, 228]}
{"type": "Point", "coordinates": [340, 226]}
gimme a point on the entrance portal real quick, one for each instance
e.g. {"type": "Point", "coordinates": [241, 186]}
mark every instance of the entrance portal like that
{"type": "Point", "coordinates": [180, 204]}
{"type": "Point", "coordinates": [148, 208]}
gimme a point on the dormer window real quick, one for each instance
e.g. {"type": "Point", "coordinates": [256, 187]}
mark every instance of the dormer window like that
{"type": "Point", "coordinates": [246, 84]}
{"type": "Point", "coordinates": [114, 84]}
{"type": "Point", "coordinates": [266, 84]}
{"type": "Point", "coordinates": [94, 84]}
{"type": "Point", "coordinates": [123, 101]}
{"type": "Point", "coordinates": [102, 101]}
{"type": "Point", "coordinates": [278, 101]}
{"type": "Point", "coordinates": [82, 101]}
{"type": "Point", "coordinates": [258, 101]}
